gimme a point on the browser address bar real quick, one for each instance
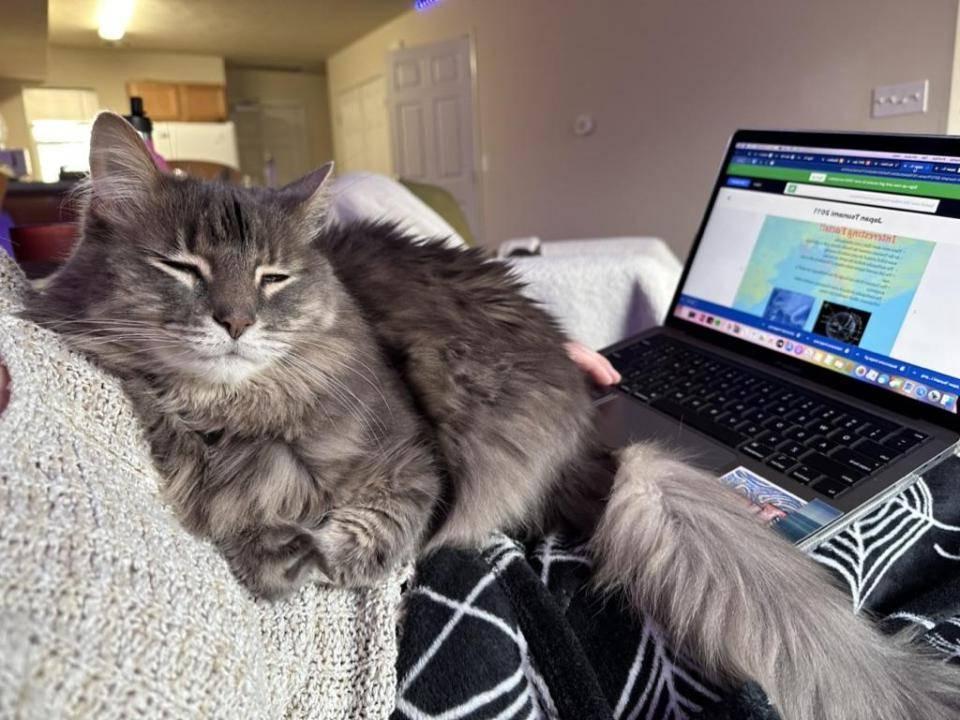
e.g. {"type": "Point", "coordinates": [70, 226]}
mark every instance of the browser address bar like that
{"type": "Point", "coordinates": [878, 199]}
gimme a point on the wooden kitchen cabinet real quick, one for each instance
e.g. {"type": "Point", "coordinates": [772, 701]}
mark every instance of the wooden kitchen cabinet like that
{"type": "Point", "coordinates": [190, 102]}
{"type": "Point", "coordinates": [202, 103]}
{"type": "Point", "coordinates": [161, 101]}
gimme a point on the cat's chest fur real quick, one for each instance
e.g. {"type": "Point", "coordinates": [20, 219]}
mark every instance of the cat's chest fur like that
{"type": "Point", "coordinates": [276, 454]}
{"type": "Point", "coordinates": [236, 474]}
{"type": "Point", "coordinates": [258, 407]}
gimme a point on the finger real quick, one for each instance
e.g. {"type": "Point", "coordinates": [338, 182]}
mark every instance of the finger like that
{"type": "Point", "coordinates": [577, 353]}
{"type": "Point", "coordinates": [598, 373]}
{"type": "Point", "coordinates": [581, 356]}
{"type": "Point", "coordinates": [603, 374]}
{"type": "Point", "coordinates": [4, 387]}
{"type": "Point", "coordinates": [612, 373]}
{"type": "Point", "coordinates": [603, 371]}
{"type": "Point", "coordinates": [593, 363]}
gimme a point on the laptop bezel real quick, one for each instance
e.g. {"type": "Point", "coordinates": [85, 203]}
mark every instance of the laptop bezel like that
{"type": "Point", "coordinates": [918, 144]}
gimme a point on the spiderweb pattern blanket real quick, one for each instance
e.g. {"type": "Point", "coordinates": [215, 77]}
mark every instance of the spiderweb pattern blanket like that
{"type": "Point", "coordinates": [514, 632]}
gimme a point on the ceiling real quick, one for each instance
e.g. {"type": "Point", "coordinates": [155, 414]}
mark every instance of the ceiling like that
{"type": "Point", "coordinates": [282, 33]}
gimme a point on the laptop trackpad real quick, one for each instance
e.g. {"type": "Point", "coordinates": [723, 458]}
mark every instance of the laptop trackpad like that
{"type": "Point", "coordinates": [623, 420]}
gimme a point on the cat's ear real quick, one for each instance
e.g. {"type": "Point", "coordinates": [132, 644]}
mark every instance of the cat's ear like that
{"type": "Point", "coordinates": [311, 194]}
{"type": "Point", "coordinates": [121, 167]}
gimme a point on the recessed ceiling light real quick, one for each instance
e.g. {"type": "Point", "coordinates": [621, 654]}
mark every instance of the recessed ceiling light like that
{"type": "Point", "coordinates": [114, 17]}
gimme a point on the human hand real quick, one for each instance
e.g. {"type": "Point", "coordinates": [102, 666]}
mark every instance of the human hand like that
{"type": "Point", "coordinates": [593, 363]}
{"type": "Point", "coordinates": [4, 387]}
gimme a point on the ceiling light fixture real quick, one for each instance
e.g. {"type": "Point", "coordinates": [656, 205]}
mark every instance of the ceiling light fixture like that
{"type": "Point", "coordinates": [114, 17]}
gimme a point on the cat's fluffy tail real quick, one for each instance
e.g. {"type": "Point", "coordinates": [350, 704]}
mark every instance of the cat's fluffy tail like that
{"type": "Point", "coordinates": [744, 603]}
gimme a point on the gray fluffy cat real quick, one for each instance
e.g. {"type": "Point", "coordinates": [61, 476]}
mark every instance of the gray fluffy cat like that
{"type": "Point", "coordinates": [326, 402]}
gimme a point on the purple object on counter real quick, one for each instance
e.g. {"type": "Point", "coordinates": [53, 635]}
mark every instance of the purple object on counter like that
{"type": "Point", "coordinates": [16, 160]}
{"type": "Point", "coordinates": [6, 222]}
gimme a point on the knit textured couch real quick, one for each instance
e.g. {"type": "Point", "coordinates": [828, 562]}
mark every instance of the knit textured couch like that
{"type": "Point", "coordinates": [109, 609]}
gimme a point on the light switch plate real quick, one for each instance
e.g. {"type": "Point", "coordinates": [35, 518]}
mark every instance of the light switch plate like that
{"type": "Point", "coordinates": [902, 99]}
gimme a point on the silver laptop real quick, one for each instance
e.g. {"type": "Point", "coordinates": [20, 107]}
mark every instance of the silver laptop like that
{"type": "Point", "coordinates": [811, 355]}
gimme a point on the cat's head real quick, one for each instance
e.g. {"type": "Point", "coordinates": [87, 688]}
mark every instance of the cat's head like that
{"type": "Point", "coordinates": [187, 276]}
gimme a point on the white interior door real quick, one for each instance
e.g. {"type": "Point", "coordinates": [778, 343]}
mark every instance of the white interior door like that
{"type": "Point", "coordinates": [363, 128]}
{"type": "Point", "coordinates": [430, 99]}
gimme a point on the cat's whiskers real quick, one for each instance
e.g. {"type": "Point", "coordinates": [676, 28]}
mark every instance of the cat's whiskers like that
{"type": "Point", "coordinates": [353, 404]}
{"type": "Point", "coordinates": [101, 325]}
{"type": "Point", "coordinates": [119, 332]}
{"type": "Point", "coordinates": [332, 384]}
{"type": "Point", "coordinates": [129, 341]}
{"type": "Point", "coordinates": [109, 340]}
{"type": "Point", "coordinates": [97, 347]}
{"type": "Point", "coordinates": [316, 377]}
{"type": "Point", "coordinates": [285, 370]}
{"type": "Point", "coordinates": [94, 321]}
{"type": "Point", "coordinates": [329, 356]}
{"type": "Point", "coordinates": [109, 330]}
{"type": "Point", "coordinates": [121, 356]}
{"type": "Point", "coordinates": [363, 409]}
{"type": "Point", "coordinates": [92, 343]}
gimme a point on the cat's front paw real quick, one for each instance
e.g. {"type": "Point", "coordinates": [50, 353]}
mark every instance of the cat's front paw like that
{"type": "Point", "coordinates": [352, 549]}
{"type": "Point", "coordinates": [272, 562]}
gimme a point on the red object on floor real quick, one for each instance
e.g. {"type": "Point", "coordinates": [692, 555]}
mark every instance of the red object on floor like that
{"type": "Point", "coordinates": [41, 249]}
{"type": "Point", "coordinates": [47, 243]}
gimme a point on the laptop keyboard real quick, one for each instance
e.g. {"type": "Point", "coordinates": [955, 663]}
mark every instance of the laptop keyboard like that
{"type": "Point", "coordinates": [815, 440]}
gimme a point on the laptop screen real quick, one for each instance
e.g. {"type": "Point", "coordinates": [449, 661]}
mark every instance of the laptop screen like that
{"type": "Point", "coordinates": [847, 259]}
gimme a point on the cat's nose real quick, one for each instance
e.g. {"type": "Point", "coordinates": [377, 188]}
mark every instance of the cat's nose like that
{"type": "Point", "coordinates": [235, 324]}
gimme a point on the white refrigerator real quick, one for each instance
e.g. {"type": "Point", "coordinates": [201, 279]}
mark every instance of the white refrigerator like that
{"type": "Point", "coordinates": [207, 141]}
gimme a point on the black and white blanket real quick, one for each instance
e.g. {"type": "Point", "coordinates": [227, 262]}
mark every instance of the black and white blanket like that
{"type": "Point", "coordinates": [514, 632]}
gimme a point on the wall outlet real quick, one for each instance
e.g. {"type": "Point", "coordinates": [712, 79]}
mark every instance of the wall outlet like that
{"type": "Point", "coordinates": [902, 99]}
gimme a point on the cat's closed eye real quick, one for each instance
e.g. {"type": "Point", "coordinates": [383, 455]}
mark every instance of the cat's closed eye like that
{"type": "Point", "coordinates": [273, 278]}
{"type": "Point", "coordinates": [183, 267]}
{"type": "Point", "coordinates": [183, 270]}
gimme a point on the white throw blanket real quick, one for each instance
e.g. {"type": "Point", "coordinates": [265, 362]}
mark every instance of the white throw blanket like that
{"type": "Point", "coordinates": [602, 290]}
{"type": "Point", "coordinates": [109, 609]}
{"type": "Point", "coordinates": [369, 196]}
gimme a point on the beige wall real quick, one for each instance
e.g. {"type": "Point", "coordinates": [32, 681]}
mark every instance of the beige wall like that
{"type": "Point", "coordinates": [23, 39]}
{"type": "Point", "coordinates": [23, 56]}
{"type": "Point", "coordinates": [12, 111]}
{"type": "Point", "coordinates": [953, 117]}
{"type": "Point", "coordinates": [667, 81]}
{"type": "Point", "coordinates": [277, 86]}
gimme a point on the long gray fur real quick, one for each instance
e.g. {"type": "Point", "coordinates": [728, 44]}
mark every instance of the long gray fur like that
{"type": "Point", "coordinates": [327, 402]}
{"type": "Point", "coordinates": [745, 603]}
